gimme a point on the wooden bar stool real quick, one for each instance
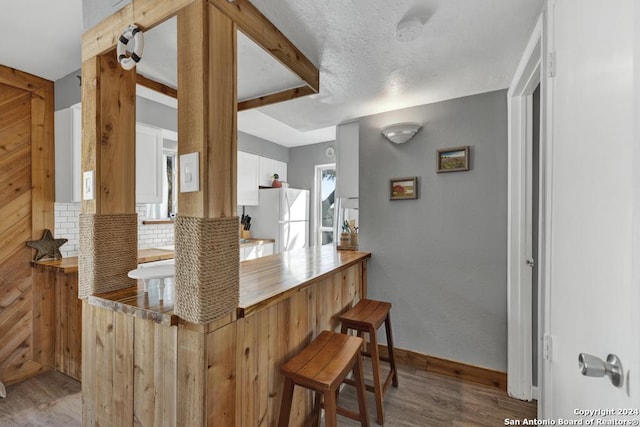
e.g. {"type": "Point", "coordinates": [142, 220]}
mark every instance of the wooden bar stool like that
{"type": "Point", "coordinates": [322, 366]}
{"type": "Point", "coordinates": [367, 316]}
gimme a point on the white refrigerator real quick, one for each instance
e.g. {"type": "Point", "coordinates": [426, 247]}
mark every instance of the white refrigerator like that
{"type": "Point", "coordinates": [282, 214]}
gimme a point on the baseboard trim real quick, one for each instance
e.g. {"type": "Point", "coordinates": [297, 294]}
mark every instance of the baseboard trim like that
{"type": "Point", "coordinates": [462, 371]}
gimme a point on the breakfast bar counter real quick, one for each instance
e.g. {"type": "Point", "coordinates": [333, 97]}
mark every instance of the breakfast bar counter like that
{"type": "Point", "coordinates": [148, 358]}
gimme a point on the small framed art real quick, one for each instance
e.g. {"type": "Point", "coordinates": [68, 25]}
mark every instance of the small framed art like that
{"type": "Point", "coordinates": [403, 188]}
{"type": "Point", "coordinates": [453, 159]}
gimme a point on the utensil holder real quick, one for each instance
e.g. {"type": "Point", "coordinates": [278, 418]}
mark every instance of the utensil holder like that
{"type": "Point", "coordinates": [345, 239]}
{"type": "Point", "coordinates": [354, 239]}
{"type": "Point", "coordinates": [245, 234]}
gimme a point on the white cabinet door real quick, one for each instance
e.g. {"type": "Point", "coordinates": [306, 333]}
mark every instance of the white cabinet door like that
{"type": "Point", "coordinates": [68, 137]}
{"type": "Point", "coordinates": [148, 164]}
{"type": "Point", "coordinates": [267, 249]}
{"type": "Point", "coordinates": [248, 166]}
{"type": "Point", "coordinates": [269, 167]}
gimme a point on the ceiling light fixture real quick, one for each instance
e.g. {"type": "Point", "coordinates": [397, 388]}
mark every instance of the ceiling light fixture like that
{"type": "Point", "coordinates": [408, 30]}
{"type": "Point", "coordinates": [401, 132]}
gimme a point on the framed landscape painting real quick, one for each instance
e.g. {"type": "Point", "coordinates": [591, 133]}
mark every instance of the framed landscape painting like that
{"type": "Point", "coordinates": [403, 188]}
{"type": "Point", "coordinates": [453, 159]}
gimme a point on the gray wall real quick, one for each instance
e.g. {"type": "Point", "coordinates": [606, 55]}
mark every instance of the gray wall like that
{"type": "Point", "coordinates": [68, 92]}
{"type": "Point", "coordinates": [262, 147]}
{"type": "Point", "coordinates": [441, 259]}
{"type": "Point", "coordinates": [301, 172]}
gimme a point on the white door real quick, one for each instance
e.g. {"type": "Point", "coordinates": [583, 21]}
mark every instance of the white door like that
{"type": "Point", "coordinates": [594, 184]}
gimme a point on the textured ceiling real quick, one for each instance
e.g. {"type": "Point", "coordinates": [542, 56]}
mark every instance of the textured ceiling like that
{"type": "Point", "coordinates": [466, 47]}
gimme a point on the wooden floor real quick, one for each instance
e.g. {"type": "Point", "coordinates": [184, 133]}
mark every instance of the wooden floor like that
{"type": "Point", "coordinates": [423, 400]}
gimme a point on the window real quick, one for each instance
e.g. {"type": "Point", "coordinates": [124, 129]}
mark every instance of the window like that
{"type": "Point", "coordinates": [324, 196]}
{"type": "Point", "coordinates": [170, 183]}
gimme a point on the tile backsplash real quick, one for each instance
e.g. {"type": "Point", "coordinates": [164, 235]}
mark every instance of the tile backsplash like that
{"type": "Point", "coordinates": [67, 227]}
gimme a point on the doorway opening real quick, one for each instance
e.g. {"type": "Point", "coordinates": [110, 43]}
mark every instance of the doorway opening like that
{"type": "Point", "coordinates": [525, 238]}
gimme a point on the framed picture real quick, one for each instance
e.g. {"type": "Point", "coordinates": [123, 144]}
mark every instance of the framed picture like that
{"type": "Point", "coordinates": [403, 188]}
{"type": "Point", "coordinates": [453, 159]}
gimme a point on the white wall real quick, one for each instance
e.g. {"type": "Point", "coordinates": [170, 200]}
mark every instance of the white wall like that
{"type": "Point", "coordinates": [67, 227]}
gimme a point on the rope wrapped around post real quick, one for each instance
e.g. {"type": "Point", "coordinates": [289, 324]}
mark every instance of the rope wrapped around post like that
{"type": "Point", "coordinates": [207, 261]}
{"type": "Point", "coordinates": [108, 251]}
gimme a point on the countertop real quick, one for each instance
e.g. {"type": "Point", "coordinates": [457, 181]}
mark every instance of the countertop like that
{"type": "Point", "coordinates": [70, 264]}
{"type": "Point", "coordinates": [263, 281]}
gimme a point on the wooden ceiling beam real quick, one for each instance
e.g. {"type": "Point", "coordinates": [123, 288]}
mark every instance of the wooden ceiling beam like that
{"type": "Point", "coordinates": [144, 13]}
{"type": "Point", "coordinates": [274, 98]}
{"type": "Point", "coordinates": [259, 29]}
{"type": "Point", "coordinates": [157, 86]}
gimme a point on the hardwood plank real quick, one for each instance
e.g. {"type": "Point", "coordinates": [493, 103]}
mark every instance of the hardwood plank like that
{"type": "Point", "coordinates": [274, 98]}
{"type": "Point", "coordinates": [222, 377]}
{"type": "Point", "coordinates": [123, 370]}
{"type": "Point", "coordinates": [89, 367]}
{"type": "Point", "coordinates": [9, 93]}
{"type": "Point", "coordinates": [166, 374]}
{"type": "Point", "coordinates": [44, 318]}
{"type": "Point", "coordinates": [259, 29]}
{"type": "Point", "coordinates": [15, 239]}
{"type": "Point", "coordinates": [20, 79]}
{"type": "Point", "coordinates": [42, 160]}
{"type": "Point", "coordinates": [14, 211]}
{"type": "Point", "coordinates": [451, 368]}
{"type": "Point", "coordinates": [15, 136]}
{"type": "Point", "coordinates": [90, 157]}
{"type": "Point", "coordinates": [15, 111]}
{"type": "Point", "coordinates": [15, 271]}
{"type": "Point", "coordinates": [144, 400]}
{"type": "Point", "coordinates": [424, 399]}
{"type": "Point", "coordinates": [20, 336]}
{"type": "Point", "coordinates": [193, 112]}
{"type": "Point", "coordinates": [15, 163]}
{"type": "Point", "coordinates": [145, 13]}
{"type": "Point", "coordinates": [103, 384]}
{"type": "Point", "coordinates": [222, 115]}
{"type": "Point", "coordinates": [117, 135]}
{"type": "Point", "coordinates": [157, 86]}
{"type": "Point", "coordinates": [192, 378]}
{"type": "Point", "coordinates": [17, 313]}
{"type": "Point", "coordinates": [13, 375]}
{"type": "Point", "coordinates": [16, 184]}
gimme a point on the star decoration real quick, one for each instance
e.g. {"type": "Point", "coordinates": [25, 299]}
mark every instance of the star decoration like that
{"type": "Point", "coordinates": [47, 246]}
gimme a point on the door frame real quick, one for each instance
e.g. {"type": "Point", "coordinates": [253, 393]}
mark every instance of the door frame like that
{"type": "Point", "coordinates": [519, 290]}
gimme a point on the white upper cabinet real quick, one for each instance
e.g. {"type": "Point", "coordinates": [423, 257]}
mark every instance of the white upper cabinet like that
{"type": "Point", "coordinates": [68, 139]}
{"type": "Point", "coordinates": [148, 164]}
{"type": "Point", "coordinates": [248, 166]}
{"type": "Point", "coordinates": [347, 160]}
{"type": "Point", "coordinates": [269, 167]}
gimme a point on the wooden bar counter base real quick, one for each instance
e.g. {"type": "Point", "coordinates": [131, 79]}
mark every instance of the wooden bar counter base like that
{"type": "Point", "coordinates": [142, 363]}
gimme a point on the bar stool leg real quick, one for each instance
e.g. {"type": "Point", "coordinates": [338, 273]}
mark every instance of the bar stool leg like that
{"type": "Point", "coordinates": [392, 358]}
{"type": "Point", "coordinates": [330, 414]}
{"type": "Point", "coordinates": [361, 390]}
{"type": "Point", "coordinates": [317, 407]}
{"type": "Point", "coordinates": [285, 406]}
{"type": "Point", "coordinates": [377, 384]}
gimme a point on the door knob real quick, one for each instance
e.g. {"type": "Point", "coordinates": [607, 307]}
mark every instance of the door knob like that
{"type": "Point", "coordinates": [592, 366]}
{"type": "Point", "coordinates": [530, 262]}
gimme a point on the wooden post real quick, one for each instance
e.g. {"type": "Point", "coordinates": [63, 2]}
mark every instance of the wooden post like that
{"type": "Point", "coordinates": [108, 222]}
{"type": "Point", "coordinates": [108, 138]}
{"type": "Point", "coordinates": [207, 113]}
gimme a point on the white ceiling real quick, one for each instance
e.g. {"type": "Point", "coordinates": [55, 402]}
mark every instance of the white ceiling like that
{"type": "Point", "coordinates": [466, 47]}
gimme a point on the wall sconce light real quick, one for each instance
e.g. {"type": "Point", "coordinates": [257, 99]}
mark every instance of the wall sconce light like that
{"type": "Point", "coordinates": [401, 132]}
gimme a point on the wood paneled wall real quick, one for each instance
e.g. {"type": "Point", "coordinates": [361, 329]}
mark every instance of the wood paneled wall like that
{"type": "Point", "coordinates": [26, 209]}
{"type": "Point", "coordinates": [138, 372]}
